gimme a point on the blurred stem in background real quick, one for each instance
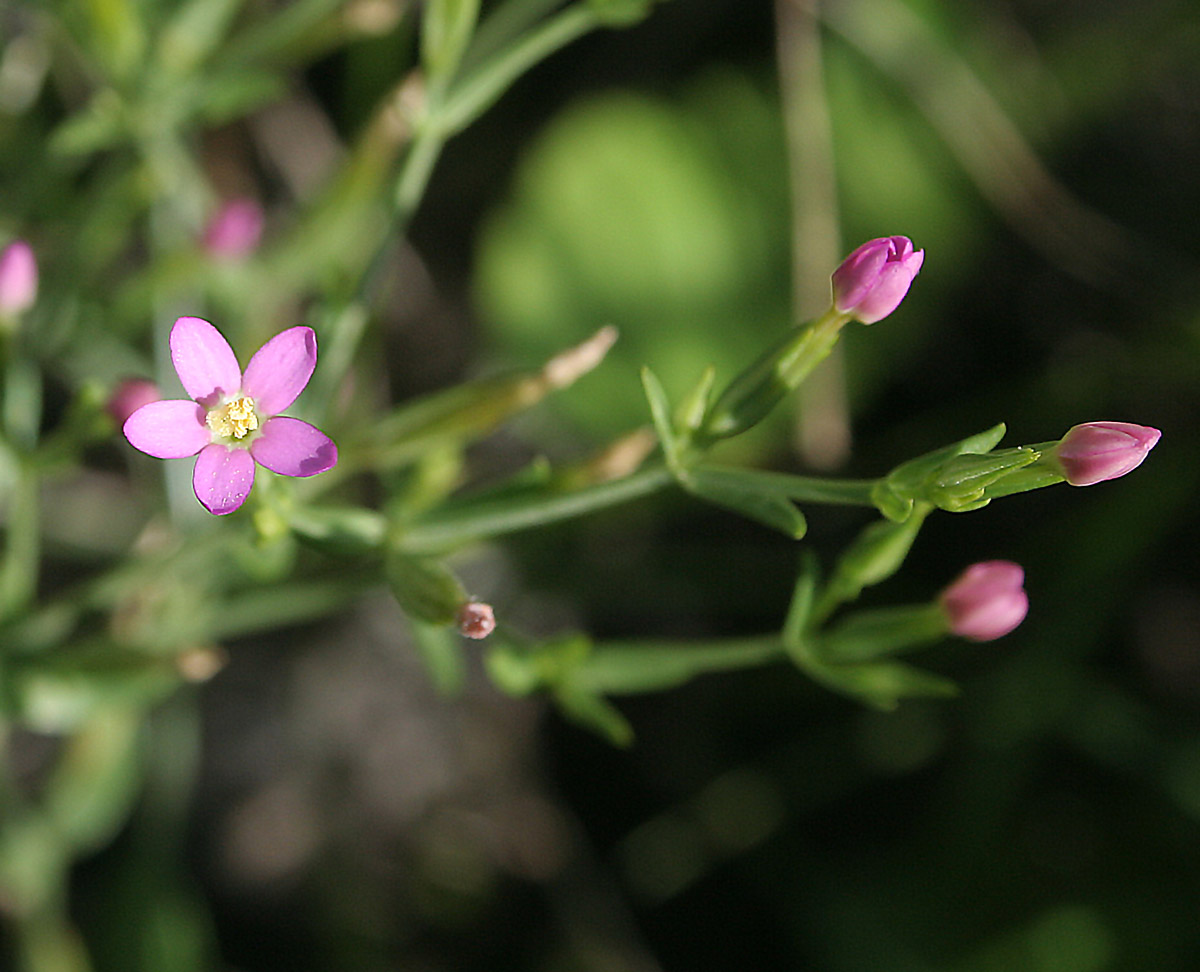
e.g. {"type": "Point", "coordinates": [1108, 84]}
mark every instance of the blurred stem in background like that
{"type": "Point", "coordinates": [823, 431]}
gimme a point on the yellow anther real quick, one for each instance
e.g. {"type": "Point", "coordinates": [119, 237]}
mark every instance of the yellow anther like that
{"type": "Point", "coordinates": [235, 419]}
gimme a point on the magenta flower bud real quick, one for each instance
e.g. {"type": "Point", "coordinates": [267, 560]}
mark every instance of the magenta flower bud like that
{"type": "Point", "coordinates": [987, 601]}
{"type": "Point", "coordinates": [130, 395]}
{"type": "Point", "coordinates": [873, 279]}
{"type": "Point", "coordinates": [475, 620]}
{"type": "Point", "coordinates": [1096, 451]}
{"type": "Point", "coordinates": [18, 279]}
{"type": "Point", "coordinates": [235, 230]}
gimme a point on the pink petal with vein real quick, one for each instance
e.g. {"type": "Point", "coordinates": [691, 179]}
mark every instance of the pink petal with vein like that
{"type": "Point", "coordinates": [204, 361]}
{"type": "Point", "coordinates": [294, 448]}
{"type": "Point", "coordinates": [280, 369]}
{"type": "Point", "coordinates": [168, 430]}
{"type": "Point", "coordinates": [222, 478]}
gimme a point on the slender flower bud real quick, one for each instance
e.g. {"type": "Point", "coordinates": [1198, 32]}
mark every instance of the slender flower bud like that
{"type": "Point", "coordinates": [873, 279]}
{"type": "Point", "coordinates": [235, 230]}
{"type": "Point", "coordinates": [18, 279]}
{"type": "Point", "coordinates": [475, 620]}
{"type": "Point", "coordinates": [987, 601]}
{"type": "Point", "coordinates": [1096, 451]}
{"type": "Point", "coordinates": [130, 395]}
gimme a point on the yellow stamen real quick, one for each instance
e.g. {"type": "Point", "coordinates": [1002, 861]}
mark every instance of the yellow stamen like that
{"type": "Point", "coordinates": [235, 419]}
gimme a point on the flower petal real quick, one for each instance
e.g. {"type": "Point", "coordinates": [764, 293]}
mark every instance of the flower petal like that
{"type": "Point", "coordinates": [222, 478]}
{"type": "Point", "coordinates": [168, 430]}
{"type": "Point", "coordinates": [204, 361]}
{"type": "Point", "coordinates": [280, 369]}
{"type": "Point", "coordinates": [294, 448]}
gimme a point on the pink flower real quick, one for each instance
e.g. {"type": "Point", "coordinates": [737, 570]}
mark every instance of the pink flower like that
{"type": "Point", "coordinates": [1096, 451]}
{"type": "Point", "coordinates": [873, 279]}
{"type": "Point", "coordinates": [130, 395]}
{"type": "Point", "coordinates": [987, 601]}
{"type": "Point", "coordinates": [18, 279]}
{"type": "Point", "coordinates": [233, 420]}
{"type": "Point", "coordinates": [235, 230]}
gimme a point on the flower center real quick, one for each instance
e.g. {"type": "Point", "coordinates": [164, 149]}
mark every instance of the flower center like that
{"type": "Point", "coordinates": [235, 419]}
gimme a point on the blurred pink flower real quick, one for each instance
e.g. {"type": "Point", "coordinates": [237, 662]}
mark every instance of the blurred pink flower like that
{"type": "Point", "coordinates": [235, 229]}
{"type": "Point", "coordinates": [130, 395]}
{"type": "Point", "coordinates": [18, 278]}
{"type": "Point", "coordinates": [986, 601]}
{"type": "Point", "coordinates": [1096, 451]}
{"type": "Point", "coordinates": [873, 279]}
{"type": "Point", "coordinates": [233, 420]}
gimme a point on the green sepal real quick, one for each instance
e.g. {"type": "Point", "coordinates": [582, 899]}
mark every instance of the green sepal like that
{"type": "Point", "coordinates": [425, 588]}
{"type": "Point", "coordinates": [725, 488]}
{"type": "Point", "coordinates": [960, 483]}
{"type": "Point", "coordinates": [908, 479]}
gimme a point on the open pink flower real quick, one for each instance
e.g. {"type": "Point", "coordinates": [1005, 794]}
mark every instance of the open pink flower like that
{"type": "Point", "coordinates": [987, 600]}
{"type": "Point", "coordinates": [233, 419]}
{"type": "Point", "coordinates": [873, 279]}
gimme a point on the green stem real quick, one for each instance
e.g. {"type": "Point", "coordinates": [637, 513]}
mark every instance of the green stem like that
{"type": "Point", "coordinates": [455, 527]}
{"type": "Point", "coordinates": [810, 489]}
{"type": "Point", "coordinates": [19, 570]}
{"type": "Point", "coordinates": [416, 171]}
{"type": "Point", "coordinates": [626, 668]}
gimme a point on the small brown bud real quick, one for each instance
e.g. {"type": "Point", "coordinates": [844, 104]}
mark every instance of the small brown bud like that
{"type": "Point", "coordinates": [476, 620]}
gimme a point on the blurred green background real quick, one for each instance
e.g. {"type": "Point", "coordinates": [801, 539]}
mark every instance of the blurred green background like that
{"type": "Point", "coordinates": [317, 806]}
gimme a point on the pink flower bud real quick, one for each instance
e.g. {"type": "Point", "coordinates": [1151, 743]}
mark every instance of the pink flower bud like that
{"type": "Point", "coordinates": [235, 230]}
{"type": "Point", "coordinates": [475, 620]}
{"type": "Point", "coordinates": [18, 279]}
{"type": "Point", "coordinates": [873, 279]}
{"type": "Point", "coordinates": [987, 601]}
{"type": "Point", "coordinates": [130, 395]}
{"type": "Point", "coordinates": [1096, 451]}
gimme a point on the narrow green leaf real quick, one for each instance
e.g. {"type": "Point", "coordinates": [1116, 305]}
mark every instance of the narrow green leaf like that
{"type": "Point", "coordinates": [597, 714]}
{"type": "Point", "coordinates": [693, 408]}
{"type": "Point", "coordinates": [660, 413]}
{"type": "Point", "coordinates": [446, 31]}
{"type": "Point", "coordinates": [768, 508]}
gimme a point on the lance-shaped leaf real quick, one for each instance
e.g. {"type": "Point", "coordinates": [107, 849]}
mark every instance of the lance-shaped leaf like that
{"type": "Point", "coordinates": [747, 496]}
